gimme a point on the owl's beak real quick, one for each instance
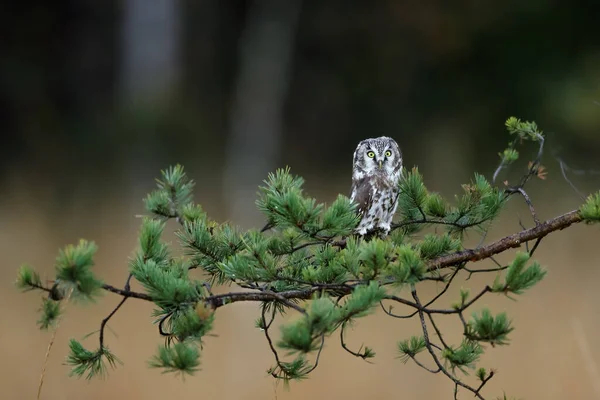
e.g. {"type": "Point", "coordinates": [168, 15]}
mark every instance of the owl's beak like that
{"type": "Point", "coordinates": [380, 164]}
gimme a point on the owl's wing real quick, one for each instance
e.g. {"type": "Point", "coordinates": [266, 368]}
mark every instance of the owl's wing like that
{"type": "Point", "coordinates": [362, 194]}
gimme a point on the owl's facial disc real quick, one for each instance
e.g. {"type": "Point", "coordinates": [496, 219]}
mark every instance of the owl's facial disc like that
{"type": "Point", "coordinates": [377, 156]}
{"type": "Point", "coordinates": [380, 158]}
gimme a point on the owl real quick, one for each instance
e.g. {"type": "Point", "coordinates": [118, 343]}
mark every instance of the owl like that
{"type": "Point", "coordinates": [376, 170]}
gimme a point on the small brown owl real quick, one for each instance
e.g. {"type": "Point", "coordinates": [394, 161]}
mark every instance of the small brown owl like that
{"type": "Point", "coordinates": [376, 170]}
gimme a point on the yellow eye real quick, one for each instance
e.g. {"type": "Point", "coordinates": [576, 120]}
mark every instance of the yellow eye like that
{"type": "Point", "coordinates": [388, 153]}
{"type": "Point", "coordinates": [370, 154]}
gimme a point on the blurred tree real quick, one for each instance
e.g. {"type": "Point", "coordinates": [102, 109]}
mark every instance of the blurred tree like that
{"type": "Point", "coordinates": [256, 123]}
{"type": "Point", "coordinates": [415, 71]}
{"type": "Point", "coordinates": [150, 50]}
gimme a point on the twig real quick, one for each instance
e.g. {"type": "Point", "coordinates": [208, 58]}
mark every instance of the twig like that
{"type": "Point", "coordinates": [564, 168]}
{"type": "Point", "coordinates": [425, 367]}
{"type": "Point", "coordinates": [529, 204]}
{"type": "Point", "coordinates": [475, 271]}
{"type": "Point", "coordinates": [430, 302]}
{"type": "Point", "coordinates": [161, 329]}
{"type": "Point", "coordinates": [127, 293]}
{"type": "Point", "coordinates": [285, 301]}
{"type": "Point", "coordinates": [266, 327]}
{"type": "Point", "coordinates": [316, 364]}
{"type": "Point", "coordinates": [484, 381]}
{"type": "Point", "coordinates": [535, 246]}
{"type": "Point", "coordinates": [105, 320]}
{"type": "Point", "coordinates": [363, 355]}
{"type": "Point", "coordinates": [127, 288]}
{"type": "Point", "coordinates": [437, 331]}
{"type": "Point", "coordinates": [432, 352]}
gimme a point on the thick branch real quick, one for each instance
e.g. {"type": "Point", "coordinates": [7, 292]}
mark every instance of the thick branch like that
{"type": "Point", "coordinates": [223, 299]}
{"type": "Point", "coordinates": [126, 293]}
{"type": "Point", "coordinates": [514, 240]}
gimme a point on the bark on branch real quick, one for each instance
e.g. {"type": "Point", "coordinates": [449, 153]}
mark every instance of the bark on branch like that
{"type": "Point", "coordinates": [514, 240]}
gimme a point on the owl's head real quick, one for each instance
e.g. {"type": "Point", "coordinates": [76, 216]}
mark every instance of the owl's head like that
{"type": "Point", "coordinates": [377, 156]}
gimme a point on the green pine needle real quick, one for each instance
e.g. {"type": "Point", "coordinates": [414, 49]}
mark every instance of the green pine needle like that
{"type": "Point", "coordinates": [509, 155]}
{"type": "Point", "coordinates": [408, 267]}
{"type": "Point", "coordinates": [362, 301]}
{"type": "Point", "coordinates": [191, 212]}
{"type": "Point", "coordinates": [481, 374]}
{"type": "Point", "coordinates": [50, 314]}
{"type": "Point", "coordinates": [409, 348]}
{"type": "Point", "coordinates": [297, 369]}
{"type": "Point", "coordinates": [190, 325]}
{"type": "Point", "coordinates": [340, 218]}
{"type": "Point", "coordinates": [367, 353]}
{"type": "Point", "coordinates": [168, 285]}
{"type": "Point", "coordinates": [158, 202]}
{"type": "Point", "coordinates": [464, 295]}
{"type": "Point", "coordinates": [413, 194]}
{"type": "Point", "coordinates": [436, 206]}
{"type": "Point", "coordinates": [375, 256]}
{"type": "Point", "coordinates": [518, 278]}
{"type": "Point", "coordinates": [297, 337]}
{"type": "Point", "coordinates": [73, 271]}
{"type": "Point", "coordinates": [28, 279]}
{"type": "Point", "coordinates": [484, 327]}
{"type": "Point", "coordinates": [464, 356]}
{"type": "Point", "coordinates": [283, 202]}
{"type": "Point", "coordinates": [182, 358]}
{"type": "Point", "coordinates": [525, 130]}
{"type": "Point", "coordinates": [150, 245]}
{"type": "Point", "coordinates": [174, 195]}
{"type": "Point", "coordinates": [322, 315]}
{"type": "Point", "coordinates": [434, 246]}
{"type": "Point", "coordinates": [90, 364]}
{"type": "Point", "coordinates": [590, 210]}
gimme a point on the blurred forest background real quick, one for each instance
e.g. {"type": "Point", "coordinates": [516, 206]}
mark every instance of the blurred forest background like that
{"type": "Point", "coordinates": [97, 96]}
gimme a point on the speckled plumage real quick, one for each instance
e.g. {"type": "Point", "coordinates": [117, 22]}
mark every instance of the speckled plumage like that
{"type": "Point", "coordinates": [376, 169]}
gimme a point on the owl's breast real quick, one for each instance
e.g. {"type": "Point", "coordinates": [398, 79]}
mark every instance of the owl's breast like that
{"type": "Point", "coordinates": [384, 182]}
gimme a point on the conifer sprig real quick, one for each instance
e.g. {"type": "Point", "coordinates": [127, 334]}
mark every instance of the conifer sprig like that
{"type": "Point", "coordinates": [74, 271]}
{"type": "Point", "coordinates": [181, 358]}
{"type": "Point", "coordinates": [590, 210]}
{"type": "Point", "coordinates": [409, 348]}
{"type": "Point", "coordinates": [90, 364]}
{"type": "Point", "coordinates": [480, 204]}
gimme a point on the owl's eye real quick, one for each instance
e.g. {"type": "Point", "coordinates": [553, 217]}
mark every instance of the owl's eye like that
{"type": "Point", "coordinates": [388, 153]}
{"type": "Point", "coordinates": [370, 154]}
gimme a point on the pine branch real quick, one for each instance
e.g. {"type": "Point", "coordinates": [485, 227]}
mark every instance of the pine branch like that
{"type": "Point", "coordinates": [446, 261]}
{"type": "Point", "coordinates": [307, 259]}
{"type": "Point", "coordinates": [434, 356]}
